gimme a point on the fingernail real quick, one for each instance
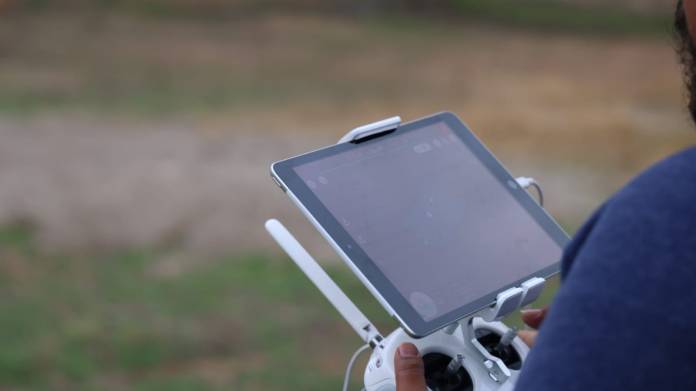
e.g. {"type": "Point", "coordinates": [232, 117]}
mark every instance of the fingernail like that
{"type": "Point", "coordinates": [531, 311]}
{"type": "Point", "coordinates": [408, 350]}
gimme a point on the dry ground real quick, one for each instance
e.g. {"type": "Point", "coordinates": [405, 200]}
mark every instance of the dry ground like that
{"type": "Point", "coordinates": [121, 131]}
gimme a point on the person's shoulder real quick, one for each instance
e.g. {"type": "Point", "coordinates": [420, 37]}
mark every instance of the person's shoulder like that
{"type": "Point", "coordinates": [679, 168]}
{"type": "Point", "coordinates": [655, 209]}
{"type": "Point", "coordinates": [667, 186]}
{"type": "Point", "coordinates": [634, 260]}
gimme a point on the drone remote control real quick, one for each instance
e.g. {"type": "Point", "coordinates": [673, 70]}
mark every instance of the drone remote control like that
{"type": "Point", "coordinates": [473, 356]}
{"type": "Point", "coordinates": [478, 353]}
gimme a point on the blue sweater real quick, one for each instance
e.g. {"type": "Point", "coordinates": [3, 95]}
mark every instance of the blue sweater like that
{"type": "Point", "coordinates": [625, 315]}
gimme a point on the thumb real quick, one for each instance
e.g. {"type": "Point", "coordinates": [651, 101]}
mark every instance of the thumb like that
{"type": "Point", "coordinates": [408, 369]}
{"type": "Point", "coordinates": [528, 336]}
{"type": "Point", "coordinates": [534, 317]}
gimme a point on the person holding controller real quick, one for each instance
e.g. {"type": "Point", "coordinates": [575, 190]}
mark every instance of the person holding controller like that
{"type": "Point", "coordinates": [624, 316]}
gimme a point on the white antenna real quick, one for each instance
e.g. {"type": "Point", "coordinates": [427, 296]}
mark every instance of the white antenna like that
{"type": "Point", "coordinates": [357, 320]}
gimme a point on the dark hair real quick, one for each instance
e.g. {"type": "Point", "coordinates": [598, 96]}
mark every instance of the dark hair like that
{"type": "Point", "coordinates": [685, 50]}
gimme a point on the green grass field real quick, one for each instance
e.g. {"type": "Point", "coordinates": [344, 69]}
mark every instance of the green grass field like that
{"type": "Point", "coordinates": [550, 15]}
{"type": "Point", "coordinates": [167, 78]}
{"type": "Point", "coordinates": [115, 322]}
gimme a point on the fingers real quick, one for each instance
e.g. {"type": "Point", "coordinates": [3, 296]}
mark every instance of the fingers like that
{"type": "Point", "coordinates": [408, 368]}
{"type": "Point", "coordinates": [528, 336]}
{"type": "Point", "coordinates": [534, 317]}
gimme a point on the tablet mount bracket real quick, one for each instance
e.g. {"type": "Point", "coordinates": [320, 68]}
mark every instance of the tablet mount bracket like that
{"type": "Point", "coordinates": [371, 130]}
{"type": "Point", "coordinates": [458, 341]}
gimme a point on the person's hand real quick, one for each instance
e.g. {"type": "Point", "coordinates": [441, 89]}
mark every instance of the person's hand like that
{"type": "Point", "coordinates": [408, 364]}
{"type": "Point", "coordinates": [408, 369]}
{"type": "Point", "coordinates": [532, 318]}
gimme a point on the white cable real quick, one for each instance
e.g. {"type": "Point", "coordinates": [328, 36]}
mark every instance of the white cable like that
{"type": "Point", "coordinates": [349, 368]}
{"type": "Point", "coordinates": [540, 193]}
{"type": "Point", "coordinates": [527, 182]}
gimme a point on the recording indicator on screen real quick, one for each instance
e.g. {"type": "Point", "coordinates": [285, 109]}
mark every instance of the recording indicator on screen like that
{"type": "Point", "coordinates": [422, 148]}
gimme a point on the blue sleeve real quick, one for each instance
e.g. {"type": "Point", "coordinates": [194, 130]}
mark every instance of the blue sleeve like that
{"type": "Point", "coordinates": [625, 315]}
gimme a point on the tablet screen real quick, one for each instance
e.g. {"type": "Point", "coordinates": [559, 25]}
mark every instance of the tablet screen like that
{"type": "Point", "coordinates": [438, 223]}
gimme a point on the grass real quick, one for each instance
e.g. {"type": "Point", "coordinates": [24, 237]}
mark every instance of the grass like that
{"type": "Point", "coordinates": [109, 322]}
{"type": "Point", "coordinates": [546, 15]}
{"type": "Point", "coordinates": [567, 17]}
{"type": "Point", "coordinates": [150, 69]}
{"type": "Point", "coordinates": [114, 322]}
{"type": "Point", "coordinates": [534, 14]}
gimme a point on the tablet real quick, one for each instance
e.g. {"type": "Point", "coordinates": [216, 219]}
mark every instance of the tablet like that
{"type": "Point", "coordinates": [427, 218]}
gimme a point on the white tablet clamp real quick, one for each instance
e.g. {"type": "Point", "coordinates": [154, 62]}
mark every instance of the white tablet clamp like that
{"type": "Point", "coordinates": [477, 353]}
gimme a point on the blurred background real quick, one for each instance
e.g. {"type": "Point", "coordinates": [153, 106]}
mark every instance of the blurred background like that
{"type": "Point", "coordinates": [136, 136]}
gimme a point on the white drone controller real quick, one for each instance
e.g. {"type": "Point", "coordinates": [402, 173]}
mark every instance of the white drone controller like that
{"type": "Point", "coordinates": [456, 361]}
{"type": "Point", "coordinates": [477, 353]}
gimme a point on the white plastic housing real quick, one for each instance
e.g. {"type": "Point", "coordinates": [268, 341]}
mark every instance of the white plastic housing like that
{"type": "Point", "coordinates": [379, 374]}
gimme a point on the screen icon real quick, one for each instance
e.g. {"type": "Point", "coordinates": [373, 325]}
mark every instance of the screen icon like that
{"type": "Point", "coordinates": [422, 148]}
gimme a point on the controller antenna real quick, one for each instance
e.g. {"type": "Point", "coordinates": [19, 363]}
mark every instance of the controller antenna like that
{"type": "Point", "coordinates": [355, 318]}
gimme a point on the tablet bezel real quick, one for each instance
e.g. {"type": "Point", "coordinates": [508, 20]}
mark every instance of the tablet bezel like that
{"type": "Point", "coordinates": [351, 252]}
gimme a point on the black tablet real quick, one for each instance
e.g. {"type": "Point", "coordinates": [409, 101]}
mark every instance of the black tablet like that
{"type": "Point", "coordinates": [427, 217]}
